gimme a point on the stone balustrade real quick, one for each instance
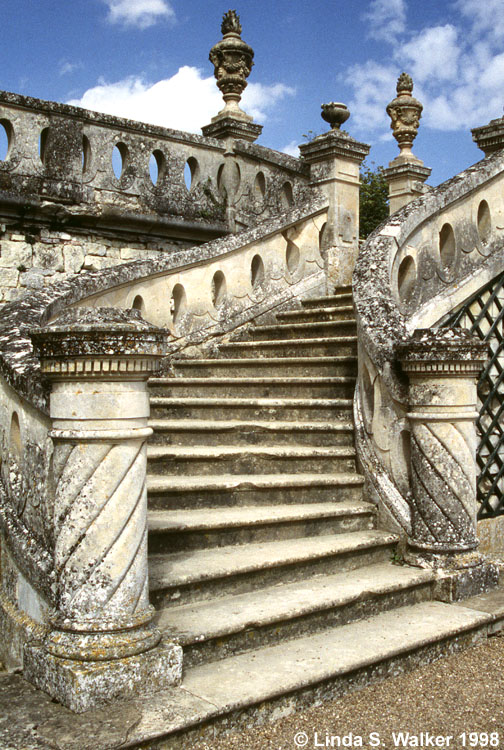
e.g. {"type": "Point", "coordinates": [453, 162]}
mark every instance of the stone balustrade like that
{"type": "Point", "coordinates": [59, 154]}
{"type": "Point", "coordinates": [425, 262]}
{"type": "Point", "coordinates": [201, 295]}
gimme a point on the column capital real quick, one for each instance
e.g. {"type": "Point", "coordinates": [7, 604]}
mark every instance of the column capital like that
{"type": "Point", "coordinates": [87, 343]}
{"type": "Point", "coordinates": [442, 351]}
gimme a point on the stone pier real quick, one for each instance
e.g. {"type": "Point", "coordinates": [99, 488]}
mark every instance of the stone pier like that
{"type": "Point", "coordinates": [442, 366]}
{"type": "Point", "coordinates": [102, 645]}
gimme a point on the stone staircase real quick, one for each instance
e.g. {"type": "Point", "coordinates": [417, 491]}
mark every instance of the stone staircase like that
{"type": "Point", "coordinates": [266, 562]}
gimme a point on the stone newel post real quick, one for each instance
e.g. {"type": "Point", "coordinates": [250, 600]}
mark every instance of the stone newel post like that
{"type": "Point", "coordinates": [102, 644]}
{"type": "Point", "coordinates": [335, 158]}
{"type": "Point", "coordinates": [442, 366]}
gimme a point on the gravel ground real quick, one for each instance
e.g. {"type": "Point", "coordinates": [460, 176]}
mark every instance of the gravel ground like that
{"type": "Point", "coordinates": [455, 695]}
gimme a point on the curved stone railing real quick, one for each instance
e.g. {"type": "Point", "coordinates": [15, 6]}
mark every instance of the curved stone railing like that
{"type": "Point", "coordinates": [113, 167]}
{"type": "Point", "coordinates": [420, 265]}
{"type": "Point", "coordinates": [200, 295]}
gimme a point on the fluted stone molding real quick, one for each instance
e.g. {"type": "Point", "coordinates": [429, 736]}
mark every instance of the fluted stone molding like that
{"type": "Point", "coordinates": [98, 362]}
{"type": "Point", "coordinates": [232, 59]}
{"type": "Point", "coordinates": [442, 366]}
{"type": "Point", "coordinates": [406, 173]}
{"type": "Point", "coordinates": [335, 158]}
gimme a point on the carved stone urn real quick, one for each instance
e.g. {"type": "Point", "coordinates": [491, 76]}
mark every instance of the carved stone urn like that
{"type": "Point", "coordinates": [335, 113]}
{"type": "Point", "coordinates": [232, 59]}
{"type": "Point", "coordinates": [405, 112]}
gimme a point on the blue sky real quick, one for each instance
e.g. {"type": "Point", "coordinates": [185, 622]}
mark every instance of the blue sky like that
{"type": "Point", "coordinates": [148, 59]}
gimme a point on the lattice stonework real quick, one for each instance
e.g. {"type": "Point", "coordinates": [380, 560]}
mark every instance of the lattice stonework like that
{"type": "Point", "coordinates": [483, 315]}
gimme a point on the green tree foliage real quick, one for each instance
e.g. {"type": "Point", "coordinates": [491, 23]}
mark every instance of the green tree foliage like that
{"type": "Point", "coordinates": [374, 203]}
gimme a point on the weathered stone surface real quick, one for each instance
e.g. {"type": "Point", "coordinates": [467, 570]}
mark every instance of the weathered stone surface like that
{"type": "Point", "coordinates": [82, 685]}
{"type": "Point", "coordinates": [14, 254]}
{"type": "Point", "coordinates": [74, 258]}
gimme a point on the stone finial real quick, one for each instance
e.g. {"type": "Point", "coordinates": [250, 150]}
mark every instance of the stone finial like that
{"type": "Point", "coordinates": [335, 113]}
{"type": "Point", "coordinates": [405, 112]}
{"type": "Point", "coordinates": [232, 59]}
{"type": "Point", "coordinates": [231, 23]}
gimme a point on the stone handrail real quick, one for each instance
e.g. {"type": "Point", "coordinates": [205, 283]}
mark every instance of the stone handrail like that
{"type": "Point", "coordinates": [417, 267]}
{"type": "Point", "coordinates": [61, 154]}
{"type": "Point", "coordinates": [282, 262]}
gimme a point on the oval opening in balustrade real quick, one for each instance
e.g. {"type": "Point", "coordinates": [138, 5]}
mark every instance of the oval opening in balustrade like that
{"type": "Point", "coordinates": [119, 159]}
{"type": "Point", "coordinates": [139, 304]}
{"type": "Point", "coordinates": [260, 186]}
{"type": "Point", "coordinates": [191, 172]}
{"type": "Point", "coordinates": [406, 278]}
{"type": "Point", "coordinates": [367, 397]}
{"type": "Point", "coordinates": [447, 245]}
{"type": "Point", "coordinates": [44, 136]}
{"type": "Point", "coordinates": [292, 256]}
{"type": "Point", "coordinates": [484, 222]}
{"type": "Point", "coordinates": [86, 153]}
{"type": "Point", "coordinates": [15, 442]}
{"type": "Point", "coordinates": [6, 139]}
{"type": "Point", "coordinates": [256, 271]}
{"type": "Point", "coordinates": [178, 302]}
{"type": "Point", "coordinates": [219, 289]}
{"type": "Point", "coordinates": [157, 166]}
{"type": "Point", "coordinates": [287, 195]}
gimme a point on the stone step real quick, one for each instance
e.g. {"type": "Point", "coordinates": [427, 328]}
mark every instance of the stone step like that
{"type": "Point", "coordinates": [284, 409]}
{"type": "Point", "coordinates": [314, 347]}
{"type": "Point", "coordinates": [231, 625]}
{"type": "Point", "coordinates": [311, 330]}
{"type": "Point", "coordinates": [272, 681]}
{"type": "Point", "coordinates": [251, 689]}
{"type": "Point", "coordinates": [336, 366]}
{"type": "Point", "coordinates": [166, 493]}
{"type": "Point", "coordinates": [235, 490]}
{"type": "Point", "coordinates": [342, 297]}
{"type": "Point", "coordinates": [334, 312]}
{"type": "Point", "coordinates": [207, 460]}
{"type": "Point", "coordinates": [197, 575]}
{"type": "Point", "coordinates": [249, 432]}
{"type": "Point", "coordinates": [257, 387]}
{"type": "Point", "coordinates": [176, 530]}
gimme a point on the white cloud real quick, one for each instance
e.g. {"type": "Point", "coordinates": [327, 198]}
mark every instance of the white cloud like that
{"type": "Point", "coordinates": [485, 17]}
{"type": "Point", "coordinates": [291, 149]}
{"type": "Point", "coordinates": [386, 19]}
{"type": "Point", "coordinates": [186, 101]}
{"type": "Point", "coordinates": [374, 85]}
{"type": "Point", "coordinates": [457, 68]}
{"type": "Point", "coordinates": [257, 98]}
{"type": "Point", "coordinates": [433, 53]}
{"type": "Point", "coordinates": [66, 67]}
{"type": "Point", "coordinates": [139, 13]}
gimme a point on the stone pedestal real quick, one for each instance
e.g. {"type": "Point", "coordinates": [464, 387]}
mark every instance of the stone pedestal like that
{"type": "Point", "coordinates": [335, 160]}
{"type": "Point", "coordinates": [405, 181]}
{"type": "Point", "coordinates": [102, 644]}
{"type": "Point", "coordinates": [442, 366]}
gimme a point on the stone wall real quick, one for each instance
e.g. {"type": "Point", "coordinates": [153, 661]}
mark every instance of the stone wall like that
{"type": "Point", "coordinates": [34, 261]}
{"type": "Point", "coordinates": [83, 191]}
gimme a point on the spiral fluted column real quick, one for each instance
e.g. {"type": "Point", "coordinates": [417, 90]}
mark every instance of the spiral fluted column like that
{"type": "Point", "coordinates": [102, 643]}
{"type": "Point", "coordinates": [442, 366]}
